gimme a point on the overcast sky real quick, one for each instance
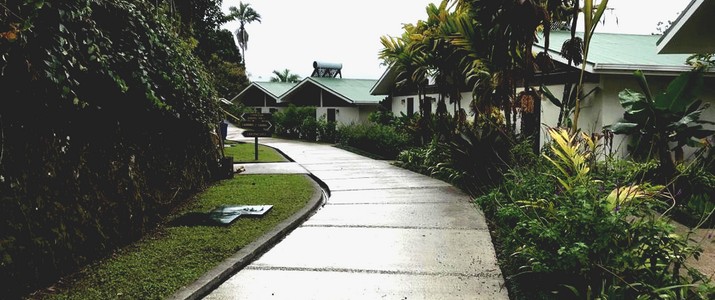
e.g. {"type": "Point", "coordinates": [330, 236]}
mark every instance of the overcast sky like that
{"type": "Point", "coordinates": [294, 33]}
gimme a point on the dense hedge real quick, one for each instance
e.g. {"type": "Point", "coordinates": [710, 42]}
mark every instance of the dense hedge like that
{"type": "Point", "coordinates": [106, 123]}
{"type": "Point", "coordinates": [382, 140]}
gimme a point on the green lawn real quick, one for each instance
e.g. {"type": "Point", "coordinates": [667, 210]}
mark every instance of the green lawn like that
{"type": "Point", "coordinates": [160, 264]}
{"type": "Point", "coordinates": [246, 153]}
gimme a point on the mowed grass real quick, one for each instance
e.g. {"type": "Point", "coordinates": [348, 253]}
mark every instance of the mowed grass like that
{"type": "Point", "coordinates": [159, 265]}
{"type": "Point", "coordinates": [243, 153]}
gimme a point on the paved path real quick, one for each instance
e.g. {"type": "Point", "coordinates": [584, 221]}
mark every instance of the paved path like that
{"type": "Point", "coordinates": [385, 233]}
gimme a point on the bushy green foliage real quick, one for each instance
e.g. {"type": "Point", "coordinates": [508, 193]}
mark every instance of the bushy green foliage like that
{"type": "Point", "coordinates": [693, 189]}
{"type": "Point", "coordinates": [309, 129]}
{"type": "Point", "coordinates": [384, 117]}
{"type": "Point", "coordinates": [473, 159]}
{"type": "Point", "coordinates": [381, 140]}
{"type": "Point", "coordinates": [106, 123]}
{"type": "Point", "coordinates": [289, 122]}
{"type": "Point", "coordinates": [327, 131]}
{"type": "Point", "coordinates": [656, 119]}
{"type": "Point", "coordinates": [422, 159]}
{"type": "Point", "coordinates": [694, 193]}
{"type": "Point", "coordinates": [568, 233]}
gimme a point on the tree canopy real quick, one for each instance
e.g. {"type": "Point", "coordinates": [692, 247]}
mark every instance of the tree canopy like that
{"type": "Point", "coordinates": [107, 104]}
{"type": "Point", "coordinates": [284, 76]}
{"type": "Point", "coordinates": [245, 14]}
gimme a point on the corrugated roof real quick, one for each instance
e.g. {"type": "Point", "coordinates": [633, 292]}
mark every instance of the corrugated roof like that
{"type": "Point", "coordinates": [613, 52]}
{"type": "Point", "coordinates": [354, 90]}
{"type": "Point", "coordinates": [276, 88]}
{"type": "Point", "coordinates": [273, 89]}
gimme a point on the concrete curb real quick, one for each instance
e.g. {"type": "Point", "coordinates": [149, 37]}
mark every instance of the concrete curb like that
{"type": "Point", "coordinates": [320, 182]}
{"type": "Point", "coordinates": [213, 278]}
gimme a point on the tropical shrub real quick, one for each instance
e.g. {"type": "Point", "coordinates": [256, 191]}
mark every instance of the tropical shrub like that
{"type": "Point", "coordinates": [383, 117]}
{"type": "Point", "coordinates": [694, 194]}
{"type": "Point", "coordinates": [327, 131]}
{"type": "Point", "coordinates": [309, 129]}
{"type": "Point", "coordinates": [424, 159]}
{"type": "Point", "coordinates": [381, 140]}
{"type": "Point", "coordinates": [289, 122]}
{"type": "Point", "coordinates": [560, 231]}
{"type": "Point", "coordinates": [656, 120]}
{"type": "Point", "coordinates": [473, 159]}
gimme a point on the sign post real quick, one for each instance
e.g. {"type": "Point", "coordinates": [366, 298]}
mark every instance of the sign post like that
{"type": "Point", "coordinates": [256, 125]}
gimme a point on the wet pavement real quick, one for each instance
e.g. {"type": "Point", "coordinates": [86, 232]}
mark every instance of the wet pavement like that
{"type": "Point", "coordinates": [384, 233]}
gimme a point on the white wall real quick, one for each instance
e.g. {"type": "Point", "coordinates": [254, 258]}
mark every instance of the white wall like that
{"type": "Point", "coordinates": [590, 119]}
{"type": "Point", "coordinates": [603, 107]}
{"type": "Point", "coordinates": [343, 115]}
{"type": "Point", "coordinates": [399, 107]}
{"type": "Point", "coordinates": [365, 112]}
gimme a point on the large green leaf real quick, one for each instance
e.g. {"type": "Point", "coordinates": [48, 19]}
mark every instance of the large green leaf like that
{"type": "Point", "coordinates": [550, 96]}
{"type": "Point", "coordinates": [681, 92]}
{"type": "Point", "coordinates": [622, 127]}
{"type": "Point", "coordinates": [633, 103]}
{"type": "Point", "coordinates": [643, 83]}
{"type": "Point", "coordinates": [689, 118]}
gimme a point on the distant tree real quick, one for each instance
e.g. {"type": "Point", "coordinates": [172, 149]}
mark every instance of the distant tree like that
{"type": "Point", "coordinates": [284, 76]}
{"type": "Point", "coordinates": [245, 14]}
{"type": "Point", "coordinates": [199, 22]}
{"type": "Point", "coordinates": [229, 77]}
{"type": "Point", "coordinates": [662, 27]}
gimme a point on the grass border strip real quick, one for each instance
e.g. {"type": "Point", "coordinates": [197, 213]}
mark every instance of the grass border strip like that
{"type": "Point", "coordinates": [213, 278]}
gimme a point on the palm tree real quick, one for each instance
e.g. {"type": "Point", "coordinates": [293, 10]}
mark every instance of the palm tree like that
{"type": "Point", "coordinates": [245, 14]}
{"type": "Point", "coordinates": [284, 76]}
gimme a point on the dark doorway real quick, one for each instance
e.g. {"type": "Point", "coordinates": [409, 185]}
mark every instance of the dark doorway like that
{"type": "Point", "coordinates": [410, 107]}
{"type": "Point", "coordinates": [428, 105]}
{"type": "Point", "coordinates": [331, 115]}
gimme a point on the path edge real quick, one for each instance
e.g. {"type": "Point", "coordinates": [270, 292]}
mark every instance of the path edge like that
{"type": "Point", "coordinates": [216, 276]}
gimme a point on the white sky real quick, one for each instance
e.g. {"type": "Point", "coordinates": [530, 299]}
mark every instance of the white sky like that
{"type": "Point", "coordinates": [293, 33]}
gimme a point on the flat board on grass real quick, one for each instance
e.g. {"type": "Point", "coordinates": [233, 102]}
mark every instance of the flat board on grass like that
{"type": "Point", "coordinates": [174, 256]}
{"type": "Point", "coordinates": [226, 214]}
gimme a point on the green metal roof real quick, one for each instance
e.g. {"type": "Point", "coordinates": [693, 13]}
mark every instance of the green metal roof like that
{"type": "Point", "coordinates": [614, 53]}
{"type": "Point", "coordinates": [273, 89]}
{"type": "Point", "coordinates": [276, 88]}
{"type": "Point", "coordinates": [356, 91]}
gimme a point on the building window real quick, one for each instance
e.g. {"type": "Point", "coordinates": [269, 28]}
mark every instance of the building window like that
{"type": "Point", "coordinates": [331, 114]}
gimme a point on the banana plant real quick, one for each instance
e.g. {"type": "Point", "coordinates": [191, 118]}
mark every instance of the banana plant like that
{"type": "Point", "coordinates": [672, 116]}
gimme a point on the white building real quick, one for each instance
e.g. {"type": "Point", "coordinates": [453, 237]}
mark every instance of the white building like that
{"type": "Point", "coordinates": [340, 100]}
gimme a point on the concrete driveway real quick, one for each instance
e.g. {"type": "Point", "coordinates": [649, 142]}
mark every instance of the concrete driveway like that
{"type": "Point", "coordinates": [385, 233]}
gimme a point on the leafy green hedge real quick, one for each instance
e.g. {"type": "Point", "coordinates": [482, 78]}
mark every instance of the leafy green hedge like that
{"type": "Point", "coordinates": [383, 140]}
{"type": "Point", "coordinates": [290, 122]}
{"type": "Point", "coordinates": [106, 123]}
